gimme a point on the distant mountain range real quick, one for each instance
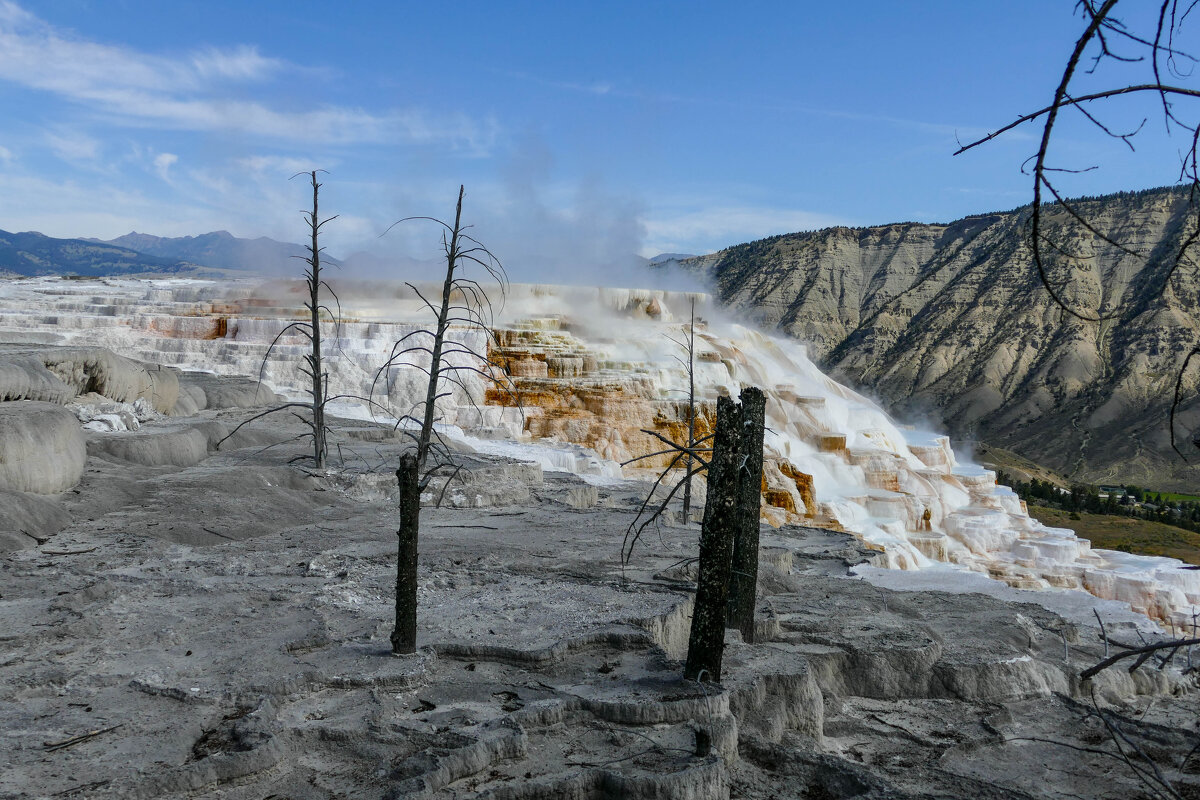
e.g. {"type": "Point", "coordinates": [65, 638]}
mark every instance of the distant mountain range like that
{"type": "Point", "coordinates": [950, 324]}
{"type": "Point", "coordinates": [34, 254]}
{"type": "Point", "coordinates": [208, 255]}
{"type": "Point", "coordinates": [223, 250]}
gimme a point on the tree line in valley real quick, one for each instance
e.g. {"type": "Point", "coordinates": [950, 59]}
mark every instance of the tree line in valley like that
{"type": "Point", "coordinates": [1124, 501]}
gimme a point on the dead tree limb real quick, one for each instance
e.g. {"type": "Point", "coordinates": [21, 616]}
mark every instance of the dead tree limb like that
{"type": "Point", "coordinates": [1143, 653]}
{"type": "Point", "coordinates": [1151, 47]}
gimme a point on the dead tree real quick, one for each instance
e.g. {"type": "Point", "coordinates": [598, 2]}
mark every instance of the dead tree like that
{"type": "Point", "coordinates": [319, 393]}
{"type": "Point", "coordinates": [466, 305]}
{"type": "Point", "coordinates": [313, 365]}
{"type": "Point", "coordinates": [734, 465]}
{"type": "Point", "coordinates": [743, 577]}
{"type": "Point", "coordinates": [690, 366]}
{"type": "Point", "coordinates": [706, 641]}
{"type": "Point", "coordinates": [1148, 760]}
{"type": "Point", "coordinates": [688, 453]}
{"type": "Point", "coordinates": [408, 476]}
{"type": "Point", "coordinates": [1151, 47]}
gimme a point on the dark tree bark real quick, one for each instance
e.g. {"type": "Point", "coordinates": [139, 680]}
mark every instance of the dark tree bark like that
{"type": "Point", "coordinates": [316, 368]}
{"type": "Point", "coordinates": [706, 643]}
{"type": "Point", "coordinates": [743, 577]}
{"type": "Point", "coordinates": [404, 637]}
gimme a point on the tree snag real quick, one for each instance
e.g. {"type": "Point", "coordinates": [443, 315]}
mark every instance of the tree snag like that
{"type": "Point", "coordinates": [320, 388]}
{"type": "Point", "coordinates": [691, 437]}
{"type": "Point", "coordinates": [706, 642]}
{"type": "Point", "coordinates": [743, 576]}
{"type": "Point", "coordinates": [404, 636]}
{"type": "Point", "coordinates": [313, 364]}
{"type": "Point", "coordinates": [465, 304]}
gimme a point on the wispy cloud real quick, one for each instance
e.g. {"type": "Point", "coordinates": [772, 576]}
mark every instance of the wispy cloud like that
{"type": "Point", "coordinates": [283, 166]}
{"type": "Point", "coordinates": [598, 88]}
{"type": "Point", "coordinates": [715, 227]}
{"type": "Point", "coordinates": [188, 92]}
{"type": "Point", "coordinates": [72, 145]}
{"type": "Point", "coordinates": [6, 155]}
{"type": "Point", "coordinates": [749, 102]}
{"type": "Point", "coordinates": [163, 163]}
{"type": "Point", "coordinates": [239, 64]}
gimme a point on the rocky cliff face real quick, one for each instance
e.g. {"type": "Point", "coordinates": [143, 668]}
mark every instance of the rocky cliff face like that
{"type": "Point", "coordinates": [950, 322]}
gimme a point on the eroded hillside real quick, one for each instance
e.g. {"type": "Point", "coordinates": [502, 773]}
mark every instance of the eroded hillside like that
{"type": "Point", "coordinates": [951, 322]}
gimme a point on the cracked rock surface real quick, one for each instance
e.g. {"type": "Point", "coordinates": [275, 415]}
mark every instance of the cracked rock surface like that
{"type": "Point", "coordinates": [219, 628]}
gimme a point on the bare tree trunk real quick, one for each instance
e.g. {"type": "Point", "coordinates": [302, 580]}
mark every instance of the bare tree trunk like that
{"type": "Point", "coordinates": [743, 578]}
{"type": "Point", "coordinates": [691, 437]}
{"type": "Point", "coordinates": [706, 642]}
{"type": "Point", "coordinates": [404, 637]}
{"type": "Point", "coordinates": [472, 309]}
{"type": "Point", "coordinates": [313, 363]}
{"type": "Point", "coordinates": [435, 360]}
{"type": "Point", "coordinates": [314, 358]}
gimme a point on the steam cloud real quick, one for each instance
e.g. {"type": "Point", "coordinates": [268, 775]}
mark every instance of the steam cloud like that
{"type": "Point", "coordinates": [542, 232]}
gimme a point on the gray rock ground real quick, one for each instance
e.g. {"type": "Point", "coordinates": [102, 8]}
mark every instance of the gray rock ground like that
{"type": "Point", "coordinates": [220, 624]}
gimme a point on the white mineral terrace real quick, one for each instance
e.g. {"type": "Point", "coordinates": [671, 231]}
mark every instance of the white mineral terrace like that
{"type": "Point", "coordinates": [603, 364]}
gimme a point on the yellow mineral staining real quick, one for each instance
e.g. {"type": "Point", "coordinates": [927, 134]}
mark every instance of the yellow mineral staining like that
{"type": "Point", "coordinates": [832, 443]}
{"type": "Point", "coordinates": [803, 483]}
{"type": "Point", "coordinates": [581, 398]}
{"type": "Point", "coordinates": [605, 409]}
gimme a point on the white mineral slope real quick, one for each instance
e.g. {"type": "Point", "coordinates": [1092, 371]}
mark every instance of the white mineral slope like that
{"type": "Point", "coordinates": [869, 475]}
{"type": "Point", "coordinates": [42, 448]}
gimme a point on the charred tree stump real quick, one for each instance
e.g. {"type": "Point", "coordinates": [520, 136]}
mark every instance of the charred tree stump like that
{"type": "Point", "coordinates": [743, 576]}
{"type": "Point", "coordinates": [404, 636]}
{"type": "Point", "coordinates": [706, 642]}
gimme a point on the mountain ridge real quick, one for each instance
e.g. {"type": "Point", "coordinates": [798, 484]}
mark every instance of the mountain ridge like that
{"type": "Point", "coordinates": [222, 250]}
{"type": "Point", "coordinates": [949, 321]}
{"type": "Point", "coordinates": [31, 253]}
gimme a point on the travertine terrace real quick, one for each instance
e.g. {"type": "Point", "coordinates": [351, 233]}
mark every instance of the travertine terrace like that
{"type": "Point", "coordinates": [595, 367]}
{"type": "Point", "coordinates": [198, 616]}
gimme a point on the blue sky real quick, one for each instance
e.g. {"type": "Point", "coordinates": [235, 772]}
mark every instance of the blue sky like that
{"type": "Point", "coordinates": [583, 132]}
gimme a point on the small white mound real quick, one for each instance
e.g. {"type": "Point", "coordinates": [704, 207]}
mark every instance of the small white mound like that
{"type": "Point", "coordinates": [42, 449]}
{"type": "Point", "coordinates": [198, 391]}
{"type": "Point", "coordinates": [95, 369]}
{"type": "Point", "coordinates": [180, 446]}
{"type": "Point", "coordinates": [29, 519]}
{"type": "Point", "coordinates": [25, 377]}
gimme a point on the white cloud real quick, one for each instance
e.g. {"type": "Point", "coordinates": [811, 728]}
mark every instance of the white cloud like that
{"type": "Point", "coordinates": [13, 14]}
{"type": "Point", "coordinates": [224, 196]}
{"type": "Point", "coordinates": [6, 155]}
{"type": "Point", "coordinates": [162, 165]}
{"type": "Point", "coordinates": [72, 145]}
{"type": "Point", "coordinates": [284, 166]}
{"type": "Point", "coordinates": [715, 227]}
{"type": "Point", "coordinates": [68, 208]}
{"type": "Point", "coordinates": [241, 63]}
{"type": "Point", "coordinates": [186, 92]}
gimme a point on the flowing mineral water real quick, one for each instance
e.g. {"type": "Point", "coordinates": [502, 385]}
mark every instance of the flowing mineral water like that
{"type": "Point", "coordinates": [597, 366]}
